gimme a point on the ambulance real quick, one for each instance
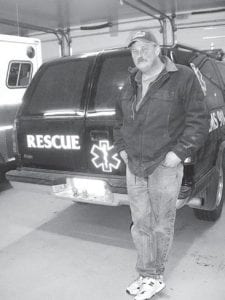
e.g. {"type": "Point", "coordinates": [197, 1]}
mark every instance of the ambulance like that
{"type": "Point", "coordinates": [20, 58]}
{"type": "Point", "coordinates": [64, 131]}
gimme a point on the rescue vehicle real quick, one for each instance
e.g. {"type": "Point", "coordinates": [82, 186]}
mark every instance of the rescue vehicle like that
{"type": "Point", "coordinates": [20, 58]}
{"type": "Point", "coordinates": [64, 131]}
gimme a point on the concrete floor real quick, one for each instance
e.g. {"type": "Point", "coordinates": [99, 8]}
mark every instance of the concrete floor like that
{"type": "Point", "coordinates": [53, 249]}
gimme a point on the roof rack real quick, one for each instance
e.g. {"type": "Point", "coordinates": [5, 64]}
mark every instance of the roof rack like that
{"type": "Point", "coordinates": [209, 53]}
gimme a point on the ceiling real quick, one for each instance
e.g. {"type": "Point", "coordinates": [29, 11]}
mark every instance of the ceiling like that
{"type": "Point", "coordinates": [56, 14]}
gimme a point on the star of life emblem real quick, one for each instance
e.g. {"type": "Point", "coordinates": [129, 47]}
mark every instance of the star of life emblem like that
{"type": "Point", "coordinates": [104, 156]}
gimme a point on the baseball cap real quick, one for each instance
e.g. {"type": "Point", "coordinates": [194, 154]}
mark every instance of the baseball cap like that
{"type": "Point", "coordinates": [142, 35]}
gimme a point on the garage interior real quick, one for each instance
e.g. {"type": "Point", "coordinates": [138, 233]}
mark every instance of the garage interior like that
{"type": "Point", "coordinates": [72, 26]}
{"type": "Point", "coordinates": [54, 249]}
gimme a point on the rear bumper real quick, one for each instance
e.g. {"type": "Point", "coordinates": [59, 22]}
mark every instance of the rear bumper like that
{"type": "Point", "coordinates": [68, 185]}
{"type": "Point", "coordinates": [63, 184]}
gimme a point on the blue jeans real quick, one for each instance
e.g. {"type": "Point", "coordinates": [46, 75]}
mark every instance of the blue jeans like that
{"type": "Point", "coordinates": [153, 211]}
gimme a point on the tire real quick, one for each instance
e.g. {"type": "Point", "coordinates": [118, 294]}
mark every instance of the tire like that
{"type": "Point", "coordinates": [1, 177]}
{"type": "Point", "coordinates": [216, 190]}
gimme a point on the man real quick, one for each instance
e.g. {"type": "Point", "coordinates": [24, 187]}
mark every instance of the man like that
{"type": "Point", "coordinates": [161, 119]}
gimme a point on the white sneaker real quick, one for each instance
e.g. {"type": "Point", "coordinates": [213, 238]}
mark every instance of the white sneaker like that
{"type": "Point", "coordinates": [149, 288]}
{"type": "Point", "coordinates": [135, 286]}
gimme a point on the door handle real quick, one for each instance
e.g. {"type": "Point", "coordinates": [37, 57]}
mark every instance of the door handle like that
{"type": "Point", "coordinates": [97, 135]}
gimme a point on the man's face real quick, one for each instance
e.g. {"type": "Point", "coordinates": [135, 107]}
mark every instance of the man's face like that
{"type": "Point", "coordinates": [144, 55]}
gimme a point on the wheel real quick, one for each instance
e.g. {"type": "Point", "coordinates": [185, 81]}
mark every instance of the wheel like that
{"type": "Point", "coordinates": [216, 190]}
{"type": "Point", "coordinates": [2, 177]}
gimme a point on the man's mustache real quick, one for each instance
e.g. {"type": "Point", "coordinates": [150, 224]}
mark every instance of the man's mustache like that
{"type": "Point", "coordinates": [140, 60]}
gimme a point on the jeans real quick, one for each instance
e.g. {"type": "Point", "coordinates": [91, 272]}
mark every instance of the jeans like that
{"type": "Point", "coordinates": [153, 210]}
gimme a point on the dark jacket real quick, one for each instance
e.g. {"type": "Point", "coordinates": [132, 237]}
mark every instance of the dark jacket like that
{"type": "Point", "coordinates": [172, 117]}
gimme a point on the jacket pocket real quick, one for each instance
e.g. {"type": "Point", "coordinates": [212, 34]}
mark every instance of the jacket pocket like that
{"type": "Point", "coordinates": [163, 95]}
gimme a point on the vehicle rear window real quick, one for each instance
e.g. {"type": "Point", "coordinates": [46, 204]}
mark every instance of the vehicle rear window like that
{"type": "Point", "coordinates": [59, 88]}
{"type": "Point", "coordinates": [214, 97]}
{"type": "Point", "coordinates": [221, 67]}
{"type": "Point", "coordinates": [19, 74]}
{"type": "Point", "coordinates": [113, 75]}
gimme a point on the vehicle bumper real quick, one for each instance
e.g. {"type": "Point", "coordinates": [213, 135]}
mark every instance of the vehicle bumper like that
{"type": "Point", "coordinates": [80, 187]}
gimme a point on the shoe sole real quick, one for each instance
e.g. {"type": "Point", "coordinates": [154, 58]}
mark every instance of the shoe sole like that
{"type": "Point", "coordinates": [156, 292]}
{"type": "Point", "coordinates": [129, 293]}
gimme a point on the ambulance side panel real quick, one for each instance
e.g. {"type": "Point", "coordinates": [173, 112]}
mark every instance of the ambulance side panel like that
{"type": "Point", "coordinates": [20, 58]}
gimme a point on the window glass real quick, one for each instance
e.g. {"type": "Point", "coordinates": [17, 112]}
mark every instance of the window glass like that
{"type": "Point", "coordinates": [214, 95]}
{"type": "Point", "coordinates": [13, 74]}
{"type": "Point", "coordinates": [114, 73]}
{"type": "Point", "coordinates": [59, 88]}
{"type": "Point", "coordinates": [25, 74]}
{"type": "Point", "coordinates": [221, 67]}
{"type": "Point", "coordinates": [19, 74]}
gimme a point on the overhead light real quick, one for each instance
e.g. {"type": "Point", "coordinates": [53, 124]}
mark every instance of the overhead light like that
{"type": "Point", "coordinates": [212, 28]}
{"type": "Point", "coordinates": [213, 37]}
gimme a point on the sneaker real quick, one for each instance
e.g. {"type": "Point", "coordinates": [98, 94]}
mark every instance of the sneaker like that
{"type": "Point", "coordinates": [149, 288]}
{"type": "Point", "coordinates": [135, 286]}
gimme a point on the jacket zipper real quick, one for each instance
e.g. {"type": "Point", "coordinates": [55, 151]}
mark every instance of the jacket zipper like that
{"type": "Point", "coordinates": [141, 143]}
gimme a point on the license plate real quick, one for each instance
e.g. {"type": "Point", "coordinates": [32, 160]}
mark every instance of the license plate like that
{"type": "Point", "coordinates": [90, 190]}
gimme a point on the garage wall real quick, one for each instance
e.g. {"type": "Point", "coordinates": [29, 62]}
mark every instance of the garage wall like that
{"type": "Point", "coordinates": [203, 32]}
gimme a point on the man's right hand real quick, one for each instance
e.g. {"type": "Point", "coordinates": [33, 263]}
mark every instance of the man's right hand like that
{"type": "Point", "coordinates": [124, 156]}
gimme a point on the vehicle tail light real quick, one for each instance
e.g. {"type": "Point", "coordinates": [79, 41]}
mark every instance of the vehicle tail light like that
{"type": "Point", "coordinates": [14, 138]}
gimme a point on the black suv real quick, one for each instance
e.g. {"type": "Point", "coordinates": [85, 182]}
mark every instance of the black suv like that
{"type": "Point", "coordinates": [64, 131]}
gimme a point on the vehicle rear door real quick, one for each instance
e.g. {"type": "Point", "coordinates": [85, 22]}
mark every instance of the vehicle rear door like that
{"type": "Point", "coordinates": [110, 76]}
{"type": "Point", "coordinates": [51, 123]}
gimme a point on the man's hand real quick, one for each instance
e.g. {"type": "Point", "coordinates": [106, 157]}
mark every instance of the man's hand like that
{"type": "Point", "coordinates": [124, 156]}
{"type": "Point", "coordinates": [171, 160]}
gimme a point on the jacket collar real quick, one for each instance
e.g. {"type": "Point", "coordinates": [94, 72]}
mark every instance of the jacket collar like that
{"type": "Point", "coordinates": [170, 66]}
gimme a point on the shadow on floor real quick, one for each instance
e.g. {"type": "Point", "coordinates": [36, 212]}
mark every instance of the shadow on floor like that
{"type": "Point", "coordinates": [95, 223]}
{"type": "Point", "coordinates": [111, 225]}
